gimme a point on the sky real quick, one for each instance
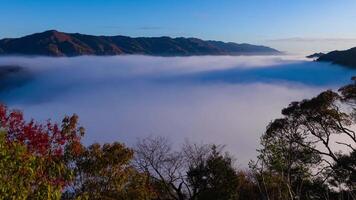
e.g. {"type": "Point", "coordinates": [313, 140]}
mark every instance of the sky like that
{"type": "Point", "coordinates": [293, 26]}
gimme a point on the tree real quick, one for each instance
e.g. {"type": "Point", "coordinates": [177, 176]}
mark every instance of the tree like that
{"type": "Point", "coordinates": [17, 170]}
{"type": "Point", "coordinates": [155, 157]}
{"type": "Point", "coordinates": [214, 178]}
{"type": "Point", "coordinates": [314, 135]}
{"type": "Point", "coordinates": [194, 172]}
{"type": "Point", "coordinates": [33, 156]}
{"type": "Point", "coordinates": [104, 172]}
{"type": "Point", "coordinates": [327, 125]}
{"type": "Point", "coordinates": [247, 187]}
{"type": "Point", "coordinates": [49, 162]}
{"type": "Point", "coordinates": [283, 156]}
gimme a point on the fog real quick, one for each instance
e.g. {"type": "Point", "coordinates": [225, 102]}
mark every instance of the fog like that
{"type": "Point", "coordinates": [221, 99]}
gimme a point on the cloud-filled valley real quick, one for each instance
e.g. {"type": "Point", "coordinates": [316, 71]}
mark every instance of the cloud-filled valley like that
{"type": "Point", "coordinates": [222, 99]}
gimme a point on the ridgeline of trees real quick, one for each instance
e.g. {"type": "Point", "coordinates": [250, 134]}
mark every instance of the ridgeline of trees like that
{"type": "Point", "coordinates": [308, 153]}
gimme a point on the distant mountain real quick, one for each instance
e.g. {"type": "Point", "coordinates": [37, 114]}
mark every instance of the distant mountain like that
{"type": "Point", "coordinates": [347, 58]}
{"type": "Point", "coordinates": [55, 43]}
{"type": "Point", "coordinates": [316, 55]}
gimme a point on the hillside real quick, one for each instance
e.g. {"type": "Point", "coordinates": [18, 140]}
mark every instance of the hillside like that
{"type": "Point", "coordinates": [315, 55]}
{"type": "Point", "coordinates": [55, 43]}
{"type": "Point", "coordinates": [347, 57]}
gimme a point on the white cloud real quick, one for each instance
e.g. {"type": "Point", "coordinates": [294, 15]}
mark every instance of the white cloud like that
{"type": "Point", "coordinates": [122, 97]}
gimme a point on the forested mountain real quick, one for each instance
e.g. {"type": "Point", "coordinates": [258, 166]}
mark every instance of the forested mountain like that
{"type": "Point", "coordinates": [55, 43]}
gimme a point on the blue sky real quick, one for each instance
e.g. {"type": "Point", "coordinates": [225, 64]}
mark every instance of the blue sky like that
{"type": "Point", "coordinates": [285, 24]}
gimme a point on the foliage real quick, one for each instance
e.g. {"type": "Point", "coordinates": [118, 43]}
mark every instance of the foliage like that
{"type": "Point", "coordinates": [33, 156]}
{"type": "Point", "coordinates": [17, 170]}
{"type": "Point", "coordinates": [324, 120]}
{"type": "Point", "coordinates": [214, 178]}
{"type": "Point", "coordinates": [194, 172]}
{"type": "Point", "coordinates": [104, 172]}
{"type": "Point", "coordinates": [287, 155]}
{"type": "Point", "coordinates": [308, 139]}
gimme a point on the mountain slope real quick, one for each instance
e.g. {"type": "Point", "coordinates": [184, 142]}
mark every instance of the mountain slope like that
{"type": "Point", "coordinates": [347, 57]}
{"type": "Point", "coordinates": [54, 43]}
{"type": "Point", "coordinates": [315, 55]}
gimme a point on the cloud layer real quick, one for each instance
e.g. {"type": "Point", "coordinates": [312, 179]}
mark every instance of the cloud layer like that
{"type": "Point", "coordinates": [223, 99]}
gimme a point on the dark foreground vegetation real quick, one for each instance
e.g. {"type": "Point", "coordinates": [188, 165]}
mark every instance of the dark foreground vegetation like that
{"type": "Point", "coordinates": [309, 153]}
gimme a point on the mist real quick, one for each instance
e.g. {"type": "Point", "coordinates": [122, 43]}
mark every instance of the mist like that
{"type": "Point", "coordinates": [221, 99]}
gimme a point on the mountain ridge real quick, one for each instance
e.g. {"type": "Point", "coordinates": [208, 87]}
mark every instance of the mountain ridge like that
{"type": "Point", "coordinates": [56, 43]}
{"type": "Point", "coordinates": [346, 57]}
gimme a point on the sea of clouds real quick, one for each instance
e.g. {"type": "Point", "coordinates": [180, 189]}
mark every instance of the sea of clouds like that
{"type": "Point", "coordinates": [220, 99]}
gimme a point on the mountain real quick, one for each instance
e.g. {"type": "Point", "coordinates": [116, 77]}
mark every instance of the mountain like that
{"type": "Point", "coordinates": [55, 43]}
{"type": "Point", "coordinates": [347, 57]}
{"type": "Point", "coordinates": [316, 55]}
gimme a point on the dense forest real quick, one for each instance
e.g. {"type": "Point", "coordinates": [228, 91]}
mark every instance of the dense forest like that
{"type": "Point", "coordinates": [308, 153]}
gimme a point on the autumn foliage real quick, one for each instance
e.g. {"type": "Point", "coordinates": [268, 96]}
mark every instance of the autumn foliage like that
{"type": "Point", "coordinates": [48, 140]}
{"type": "Point", "coordinates": [45, 147]}
{"type": "Point", "coordinates": [297, 159]}
{"type": "Point", "coordinates": [48, 161]}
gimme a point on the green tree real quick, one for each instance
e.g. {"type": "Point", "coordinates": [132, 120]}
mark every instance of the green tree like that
{"type": "Point", "coordinates": [104, 172]}
{"type": "Point", "coordinates": [315, 135]}
{"type": "Point", "coordinates": [214, 178]}
{"type": "Point", "coordinates": [17, 170]}
{"type": "Point", "coordinates": [286, 154]}
{"type": "Point", "coordinates": [327, 124]}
